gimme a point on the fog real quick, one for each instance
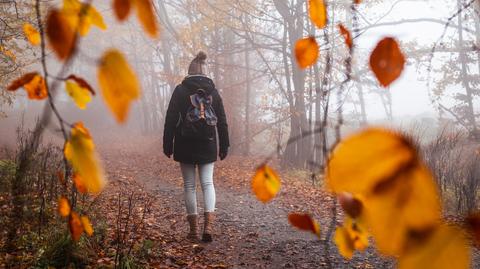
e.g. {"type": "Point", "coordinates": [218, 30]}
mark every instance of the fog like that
{"type": "Point", "coordinates": [268, 98]}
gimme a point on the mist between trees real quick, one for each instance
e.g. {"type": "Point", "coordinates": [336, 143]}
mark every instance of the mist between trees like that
{"type": "Point", "coordinates": [268, 98]}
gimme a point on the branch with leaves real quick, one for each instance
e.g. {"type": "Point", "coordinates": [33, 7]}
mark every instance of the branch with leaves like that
{"type": "Point", "coordinates": [63, 31]}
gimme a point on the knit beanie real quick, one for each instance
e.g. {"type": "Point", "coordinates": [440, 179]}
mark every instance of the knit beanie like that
{"type": "Point", "coordinates": [197, 65]}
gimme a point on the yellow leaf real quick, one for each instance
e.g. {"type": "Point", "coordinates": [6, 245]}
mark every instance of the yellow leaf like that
{"type": "Point", "coordinates": [318, 12]}
{"type": "Point", "coordinates": [398, 191]}
{"type": "Point", "coordinates": [75, 226]}
{"type": "Point", "coordinates": [304, 222]}
{"type": "Point", "coordinates": [36, 88]}
{"type": "Point", "coordinates": [80, 152]}
{"type": "Point", "coordinates": [8, 53]}
{"type": "Point", "coordinates": [444, 247]}
{"type": "Point", "coordinates": [87, 226]}
{"type": "Point", "coordinates": [146, 16]}
{"type": "Point", "coordinates": [118, 83]}
{"type": "Point", "coordinates": [397, 206]}
{"type": "Point", "coordinates": [351, 236]}
{"type": "Point", "coordinates": [344, 242]}
{"type": "Point", "coordinates": [357, 230]}
{"type": "Point", "coordinates": [32, 34]}
{"type": "Point", "coordinates": [363, 160]}
{"type": "Point", "coordinates": [63, 207]}
{"type": "Point", "coordinates": [82, 16]}
{"type": "Point", "coordinates": [306, 51]}
{"type": "Point", "coordinates": [81, 96]}
{"type": "Point", "coordinates": [265, 184]}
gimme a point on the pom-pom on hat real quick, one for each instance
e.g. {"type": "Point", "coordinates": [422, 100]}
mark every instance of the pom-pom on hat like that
{"type": "Point", "coordinates": [197, 65]}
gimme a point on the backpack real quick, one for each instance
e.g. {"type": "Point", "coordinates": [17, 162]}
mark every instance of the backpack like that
{"type": "Point", "coordinates": [200, 120]}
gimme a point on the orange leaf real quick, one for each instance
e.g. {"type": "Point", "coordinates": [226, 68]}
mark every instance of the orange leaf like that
{"type": "Point", "coordinates": [146, 16]}
{"type": "Point", "coordinates": [318, 12]}
{"type": "Point", "coordinates": [357, 1]}
{"type": "Point", "coordinates": [78, 181]}
{"type": "Point", "coordinates": [75, 225]}
{"type": "Point", "coordinates": [32, 34]}
{"type": "Point", "coordinates": [304, 222]}
{"type": "Point", "coordinates": [265, 183]}
{"type": "Point", "coordinates": [36, 88]}
{"type": "Point", "coordinates": [306, 51]}
{"type": "Point", "coordinates": [61, 35]}
{"type": "Point", "coordinates": [63, 207]}
{"type": "Point", "coordinates": [387, 61]}
{"type": "Point", "coordinates": [121, 9]}
{"type": "Point", "coordinates": [87, 226]}
{"type": "Point", "coordinates": [18, 83]}
{"type": "Point", "coordinates": [346, 34]}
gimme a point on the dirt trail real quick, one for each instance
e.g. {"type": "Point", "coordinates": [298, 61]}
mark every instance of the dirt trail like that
{"type": "Point", "coordinates": [248, 234]}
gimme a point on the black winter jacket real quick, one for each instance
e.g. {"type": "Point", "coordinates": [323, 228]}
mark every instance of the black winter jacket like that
{"type": "Point", "coordinates": [187, 150]}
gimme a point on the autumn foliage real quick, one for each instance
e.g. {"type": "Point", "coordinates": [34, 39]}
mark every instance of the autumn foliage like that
{"type": "Point", "coordinates": [388, 195]}
{"type": "Point", "coordinates": [64, 27]}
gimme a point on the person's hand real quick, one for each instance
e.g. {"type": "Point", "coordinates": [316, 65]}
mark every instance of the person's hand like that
{"type": "Point", "coordinates": [223, 154]}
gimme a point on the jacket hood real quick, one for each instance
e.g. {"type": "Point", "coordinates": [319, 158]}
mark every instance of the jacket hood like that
{"type": "Point", "coordinates": [193, 83]}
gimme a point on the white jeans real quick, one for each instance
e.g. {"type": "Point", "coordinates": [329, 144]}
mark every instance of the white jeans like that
{"type": "Point", "coordinates": [205, 172]}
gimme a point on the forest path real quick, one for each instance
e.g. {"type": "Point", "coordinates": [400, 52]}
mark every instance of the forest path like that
{"type": "Point", "coordinates": [247, 233]}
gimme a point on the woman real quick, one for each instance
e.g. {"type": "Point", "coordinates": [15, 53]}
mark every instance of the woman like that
{"type": "Point", "coordinates": [196, 105]}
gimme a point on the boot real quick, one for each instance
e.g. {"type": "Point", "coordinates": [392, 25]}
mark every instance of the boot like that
{"type": "Point", "coordinates": [207, 227]}
{"type": "Point", "coordinates": [193, 223]}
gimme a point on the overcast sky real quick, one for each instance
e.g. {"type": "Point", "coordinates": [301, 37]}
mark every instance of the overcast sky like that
{"type": "Point", "coordinates": [409, 93]}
